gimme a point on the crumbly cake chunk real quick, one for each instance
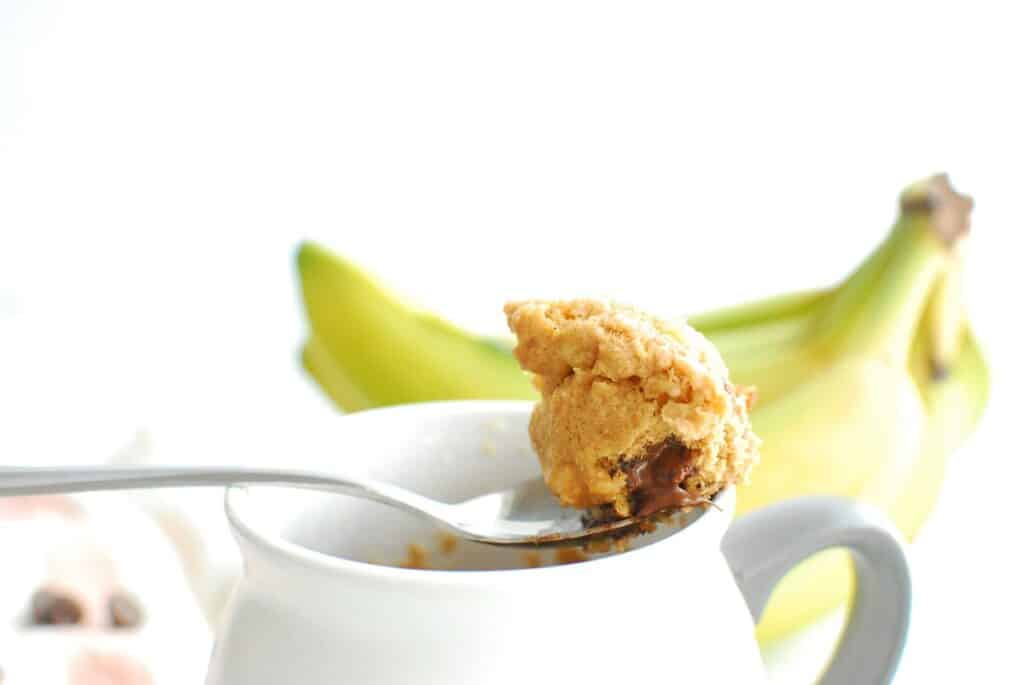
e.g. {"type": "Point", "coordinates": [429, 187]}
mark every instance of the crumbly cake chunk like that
{"type": "Point", "coordinates": [636, 414]}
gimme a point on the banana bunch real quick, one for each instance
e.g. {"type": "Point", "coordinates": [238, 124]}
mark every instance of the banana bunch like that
{"type": "Point", "coordinates": [864, 389]}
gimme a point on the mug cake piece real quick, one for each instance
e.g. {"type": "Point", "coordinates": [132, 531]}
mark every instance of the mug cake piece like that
{"type": "Point", "coordinates": [637, 415]}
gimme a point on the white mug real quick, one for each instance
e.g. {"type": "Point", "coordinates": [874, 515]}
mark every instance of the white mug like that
{"type": "Point", "coordinates": [320, 605]}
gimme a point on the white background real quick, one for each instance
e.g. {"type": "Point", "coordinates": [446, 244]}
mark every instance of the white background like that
{"type": "Point", "coordinates": [159, 162]}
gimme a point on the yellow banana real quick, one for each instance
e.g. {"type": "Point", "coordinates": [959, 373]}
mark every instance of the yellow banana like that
{"type": "Point", "coordinates": [864, 388]}
{"type": "Point", "coordinates": [955, 402]}
{"type": "Point", "coordinates": [366, 349]}
{"type": "Point", "coordinates": [850, 420]}
{"type": "Point", "coordinates": [910, 423]}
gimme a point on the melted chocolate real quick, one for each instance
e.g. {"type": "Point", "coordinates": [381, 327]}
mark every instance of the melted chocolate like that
{"type": "Point", "coordinates": [655, 480]}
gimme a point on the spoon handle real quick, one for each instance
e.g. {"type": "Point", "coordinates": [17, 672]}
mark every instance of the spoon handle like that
{"type": "Point", "coordinates": [30, 480]}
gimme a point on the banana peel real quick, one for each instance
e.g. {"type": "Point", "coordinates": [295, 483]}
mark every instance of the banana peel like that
{"type": "Point", "coordinates": [367, 349]}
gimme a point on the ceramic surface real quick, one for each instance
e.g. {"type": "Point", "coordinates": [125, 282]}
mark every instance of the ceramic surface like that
{"type": "Point", "coordinates": [320, 604]}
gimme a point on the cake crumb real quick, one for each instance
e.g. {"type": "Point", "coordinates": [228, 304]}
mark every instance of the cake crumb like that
{"type": "Point", "coordinates": [569, 555]}
{"type": "Point", "coordinates": [447, 542]}
{"type": "Point", "coordinates": [532, 559]}
{"type": "Point", "coordinates": [416, 557]}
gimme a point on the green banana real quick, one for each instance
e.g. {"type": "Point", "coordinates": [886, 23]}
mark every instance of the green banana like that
{"type": "Point", "coordinates": [743, 317]}
{"type": "Point", "coordinates": [864, 389]}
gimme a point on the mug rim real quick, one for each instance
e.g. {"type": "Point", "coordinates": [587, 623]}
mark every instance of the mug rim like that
{"type": "Point", "coordinates": [278, 547]}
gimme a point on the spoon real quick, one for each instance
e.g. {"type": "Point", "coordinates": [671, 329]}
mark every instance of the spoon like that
{"type": "Point", "coordinates": [526, 515]}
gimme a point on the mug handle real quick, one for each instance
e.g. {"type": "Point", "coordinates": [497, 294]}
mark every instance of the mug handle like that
{"type": "Point", "coordinates": [761, 547]}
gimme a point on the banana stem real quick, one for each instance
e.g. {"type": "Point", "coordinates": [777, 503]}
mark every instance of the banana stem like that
{"type": "Point", "coordinates": [878, 309]}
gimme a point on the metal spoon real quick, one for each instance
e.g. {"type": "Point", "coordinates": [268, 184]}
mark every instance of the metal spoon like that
{"type": "Point", "coordinates": [527, 514]}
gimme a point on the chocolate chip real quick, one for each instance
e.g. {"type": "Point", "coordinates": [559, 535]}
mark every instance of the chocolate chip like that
{"type": "Point", "coordinates": [50, 608]}
{"type": "Point", "coordinates": [125, 611]}
{"type": "Point", "coordinates": [655, 482]}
